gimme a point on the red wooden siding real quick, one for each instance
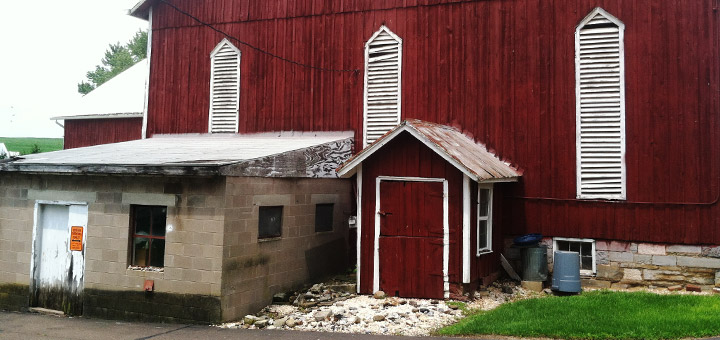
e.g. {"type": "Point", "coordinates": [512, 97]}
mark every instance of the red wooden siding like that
{"type": "Point", "coordinates": [503, 71]}
{"type": "Point", "coordinates": [88, 132]}
{"type": "Point", "coordinates": [406, 157]}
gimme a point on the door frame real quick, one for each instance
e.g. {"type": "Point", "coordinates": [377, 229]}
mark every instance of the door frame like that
{"type": "Point", "coordinates": [36, 220]}
{"type": "Point", "coordinates": [446, 228]}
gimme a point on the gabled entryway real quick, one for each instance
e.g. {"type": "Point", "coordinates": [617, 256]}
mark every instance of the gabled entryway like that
{"type": "Point", "coordinates": [425, 202]}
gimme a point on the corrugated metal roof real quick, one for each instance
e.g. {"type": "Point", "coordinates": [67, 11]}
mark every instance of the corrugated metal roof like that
{"type": "Point", "coordinates": [185, 150]}
{"type": "Point", "coordinates": [474, 159]}
{"type": "Point", "coordinates": [123, 96]}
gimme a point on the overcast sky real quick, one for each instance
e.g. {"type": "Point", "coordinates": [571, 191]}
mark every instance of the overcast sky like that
{"type": "Point", "coordinates": [46, 47]}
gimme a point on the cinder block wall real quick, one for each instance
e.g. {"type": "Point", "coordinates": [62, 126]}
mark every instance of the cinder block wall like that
{"type": "Point", "coordinates": [15, 241]}
{"type": "Point", "coordinates": [255, 270]}
{"type": "Point", "coordinates": [192, 273]}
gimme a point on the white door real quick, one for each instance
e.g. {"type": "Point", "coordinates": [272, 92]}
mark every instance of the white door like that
{"type": "Point", "coordinates": [59, 257]}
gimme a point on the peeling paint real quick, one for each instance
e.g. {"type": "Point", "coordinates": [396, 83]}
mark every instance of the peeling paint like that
{"type": "Point", "coordinates": [57, 272]}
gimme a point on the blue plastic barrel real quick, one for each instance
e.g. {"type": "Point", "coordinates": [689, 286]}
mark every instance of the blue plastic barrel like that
{"type": "Point", "coordinates": [566, 272]}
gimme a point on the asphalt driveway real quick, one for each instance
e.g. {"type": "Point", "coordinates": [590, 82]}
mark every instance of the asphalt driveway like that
{"type": "Point", "coordinates": [38, 326]}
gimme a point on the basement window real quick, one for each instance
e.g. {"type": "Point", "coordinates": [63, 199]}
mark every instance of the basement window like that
{"type": "Point", "coordinates": [324, 217]}
{"type": "Point", "coordinates": [147, 225]}
{"type": "Point", "coordinates": [586, 249]}
{"type": "Point", "coordinates": [270, 222]}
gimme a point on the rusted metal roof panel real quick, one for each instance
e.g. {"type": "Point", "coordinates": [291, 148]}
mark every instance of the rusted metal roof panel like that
{"type": "Point", "coordinates": [473, 159]}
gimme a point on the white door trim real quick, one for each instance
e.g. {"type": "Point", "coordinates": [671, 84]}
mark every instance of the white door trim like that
{"type": "Point", "coordinates": [446, 228]}
{"type": "Point", "coordinates": [358, 224]}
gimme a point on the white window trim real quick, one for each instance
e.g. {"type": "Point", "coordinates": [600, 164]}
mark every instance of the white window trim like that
{"type": "Point", "coordinates": [583, 272]}
{"type": "Point", "coordinates": [217, 48]}
{"type": "Point", "coordinates": [623, 168]}
{"type": "Point", "coordinates": [446, 229]}
{"type": "Point", "coordinates": [383, 28]}
{"type": "Point", "coordinates": [488, 218]}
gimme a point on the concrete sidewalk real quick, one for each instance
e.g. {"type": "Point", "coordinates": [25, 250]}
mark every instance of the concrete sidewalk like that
{"type": "Point", "coordinates": [38, 326]}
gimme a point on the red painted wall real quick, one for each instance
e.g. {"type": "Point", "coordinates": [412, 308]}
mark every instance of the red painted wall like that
{"type": "Point", "coordinates": [88, 132]}
{"type": "Point", "coordinates": [406, 157]}
{"type": "Point", "coordinates": [503, 71]}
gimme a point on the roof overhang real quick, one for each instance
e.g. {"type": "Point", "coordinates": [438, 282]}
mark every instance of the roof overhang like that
{"type": "Point", "coordinates": [141, 9]}
{"type": "Point", "coordinates": [101, 116]}
{"type": "Point", "coordinates": [471, 158]}
{"type": "Point", "coordinates": [279, 154]}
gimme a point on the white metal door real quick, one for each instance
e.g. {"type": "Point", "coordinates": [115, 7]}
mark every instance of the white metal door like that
{"type": "Point", "coordinates": [59, 256]}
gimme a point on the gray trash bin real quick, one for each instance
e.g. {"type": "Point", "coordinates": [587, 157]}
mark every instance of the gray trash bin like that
{"type": "Point", "coordinates": [566, 272]}
{"type": "Point", "coordinates": [534, 260]}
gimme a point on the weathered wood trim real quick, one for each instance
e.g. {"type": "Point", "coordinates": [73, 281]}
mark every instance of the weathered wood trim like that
{"type": "Point", "coordinates": [314, 162]}
{"type": "Point", "coordinates": [176, 170]}
{"type": "Point", "coordinates": [466, 230]}
{"type": "Point", "coordinates": [147, 80]}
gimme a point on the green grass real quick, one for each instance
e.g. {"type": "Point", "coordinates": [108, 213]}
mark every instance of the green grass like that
{"type": "Point", "coordinates": [599, 315]}
{"type": "Point", "coordinates": [25, 145]}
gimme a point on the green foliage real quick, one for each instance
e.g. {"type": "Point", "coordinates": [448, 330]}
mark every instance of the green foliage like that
{"type": "Point", "coordinates": [599, 315]}
{"type": "Point", "coordinates": [25, 145]}
{"type": "Point", "coordinates": [35, 148]}
{"type": "Point", "coordinates": [117, 59]}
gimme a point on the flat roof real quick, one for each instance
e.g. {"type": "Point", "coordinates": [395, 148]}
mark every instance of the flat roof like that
{"type": "Point", "coordinates": [184, 154]}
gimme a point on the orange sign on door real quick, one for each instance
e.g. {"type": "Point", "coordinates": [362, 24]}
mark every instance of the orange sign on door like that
{"type": "Point", "coordinates": [76, 236]}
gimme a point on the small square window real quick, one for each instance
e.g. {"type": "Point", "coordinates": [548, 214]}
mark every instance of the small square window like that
{"type": "Point", "coordinates": [270, 222]}
{"type": "Point", "coordinates": [584, 247]}
{"type": "Point", "coordinates": [148, 235]}
{"type": "Point", "coordinates": [324, 217]}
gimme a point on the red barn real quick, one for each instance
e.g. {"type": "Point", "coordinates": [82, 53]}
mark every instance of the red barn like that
{"type": "Point", "coordinates": [593, 122]}
{"type": "Point", "coordinates": [609, 109]}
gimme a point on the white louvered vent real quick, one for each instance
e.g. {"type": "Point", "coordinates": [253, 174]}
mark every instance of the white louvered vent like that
{"type": "Point", "coordinates": [224, 88]}
{"type": "Point", "coordinates": [600, 111]}
{"type": "Point", "coordinates": [383, 60]}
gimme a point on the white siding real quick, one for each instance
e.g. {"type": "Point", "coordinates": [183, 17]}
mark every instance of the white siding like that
{"type": "Point", "coordinates": [600, 111]}
{"type": "Point", "coordinates": [383, 60]}
{"type": "Point", "coordinates": [224, 88]}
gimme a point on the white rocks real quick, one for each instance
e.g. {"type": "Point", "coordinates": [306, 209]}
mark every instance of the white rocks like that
{"type": "Point", "coordinates": [367, 315]}
{"type": "Point", "coordinates": [379, 294]}
{"type": "Point", "coordinates": [322, 315]}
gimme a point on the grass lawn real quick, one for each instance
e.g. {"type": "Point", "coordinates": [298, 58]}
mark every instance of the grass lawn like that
{"type": "Point", "coordinates": [599, 315]}
{"type": "Point", "coordinates": [25, 145]}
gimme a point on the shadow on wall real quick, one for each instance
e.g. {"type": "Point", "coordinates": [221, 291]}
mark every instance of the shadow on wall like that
{"type": "Point", "coordinates": [329, 258]}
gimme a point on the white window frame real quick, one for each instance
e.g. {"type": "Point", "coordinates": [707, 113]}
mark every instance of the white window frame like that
{"type": "Point", "coordinates": [399, 40]}
{"type": "Point", "coordinates": [623, 167]}
{"type": "Point", "coordinates": [583, 272]}
{"type": "Point", "coordinates": [488, 218]}
{"type": "Point", "coordinates": [217, 49]}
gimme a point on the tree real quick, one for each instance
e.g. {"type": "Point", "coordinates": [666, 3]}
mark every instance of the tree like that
{"type": "Point", "coordinates": [118, 58]}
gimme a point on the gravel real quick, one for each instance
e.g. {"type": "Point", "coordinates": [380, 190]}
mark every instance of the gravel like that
{"type": "Point", "coordinates": [371, 315]}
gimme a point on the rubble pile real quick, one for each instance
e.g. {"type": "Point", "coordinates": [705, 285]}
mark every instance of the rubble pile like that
{"type": "Point", "coordinates": [335, 308]}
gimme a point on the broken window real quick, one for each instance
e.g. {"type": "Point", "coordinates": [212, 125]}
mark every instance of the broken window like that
{"type": "Point", "coordinates": [270, 222]}
{"type": "Point", "coordinates": [324, 217]}
{"type": "Point", "coordinates": [147, 225]}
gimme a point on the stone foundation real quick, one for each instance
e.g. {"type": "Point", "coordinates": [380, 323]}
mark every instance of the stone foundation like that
{"type": "Point", "coordinates": [621, 264]}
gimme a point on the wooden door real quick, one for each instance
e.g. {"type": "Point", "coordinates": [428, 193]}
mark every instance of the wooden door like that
{"type": "Point", "coordinates": [411, 239]}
